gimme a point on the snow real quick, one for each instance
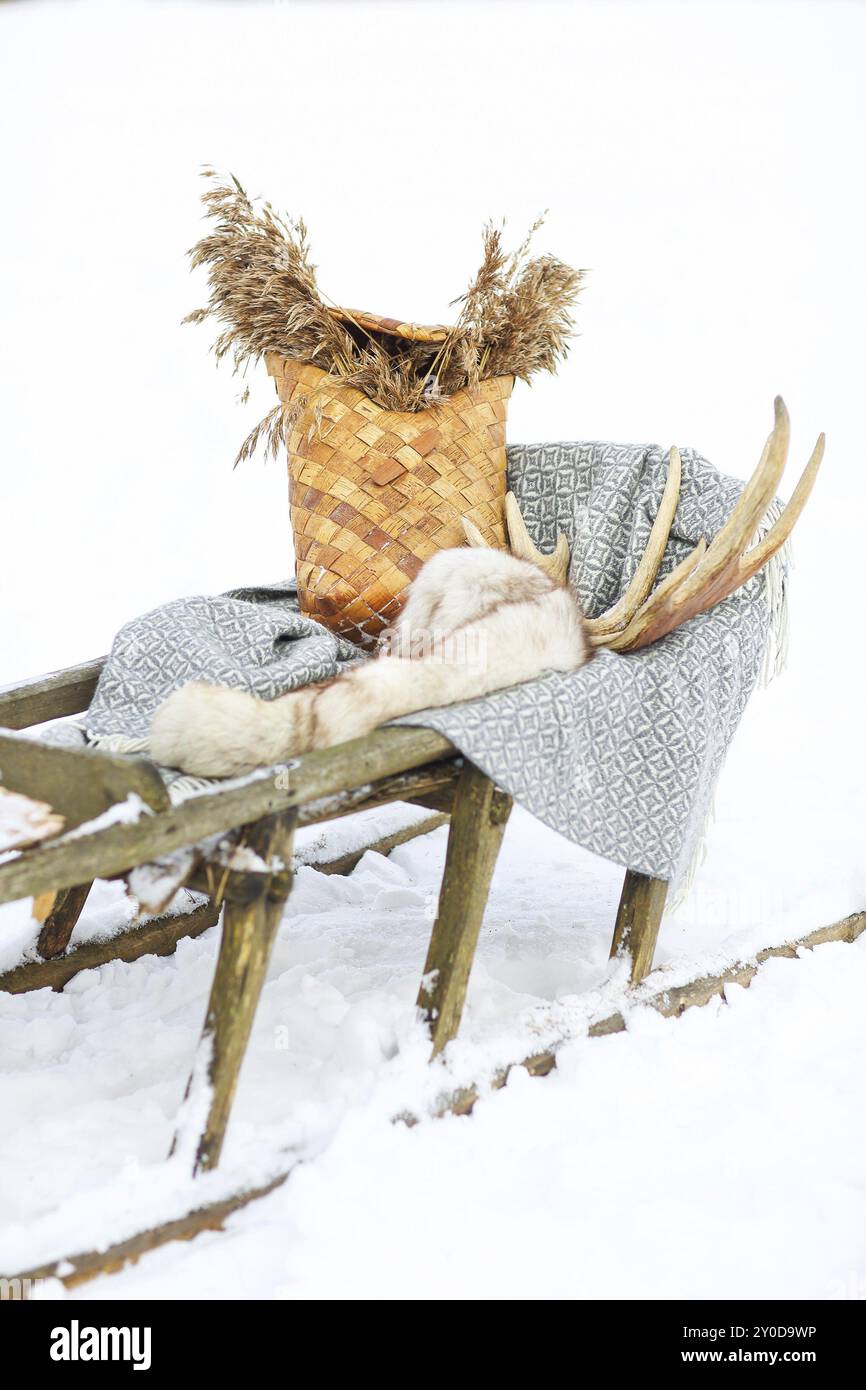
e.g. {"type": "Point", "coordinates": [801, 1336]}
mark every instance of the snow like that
{"type": "Point", "coordinates": [714, 203]}
{"type": "Point", "coordinates": [728, 1108]}
{"type": "Point", "coordinates": [126, 812]}
{"type": "Point", "coordinates": [23, 822]}
{"type": "Point", "coordinates": [316, 844]}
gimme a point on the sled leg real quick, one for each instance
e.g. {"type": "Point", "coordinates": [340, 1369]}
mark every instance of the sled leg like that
{"type": "Point", "coordinates": [59, 920]}
{"type": "Point", "coordinates": [253, 906]}
{"type": "Point", "coordinates": [637, 921]}
{"type": "Point", "coordinates": [478, 821]}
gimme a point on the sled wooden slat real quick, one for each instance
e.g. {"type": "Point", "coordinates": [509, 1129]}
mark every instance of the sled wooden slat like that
{"type": "Point", "coordinates": [478, 822]}
{"type": "Point", "coordinates": [638, 918]}
{"type": "Point", "coordinates": [671, 1002]}
{"type": "Point", "coordinates": [158, 937]}
{"type": "Point", "coordinates": [79, 783]}
{"type": "Point", "coordinates": [254, 904]}
{"type": "Point", "coordinates": [77, 1269]}
{"type": "Point", "coordinates": [59, 924]}
{"type": "Point", "coordinates": [430, 786]}
{"type": "Point", "coordinates": [318, 778]}
{"type": "Point", "coordinates": [383, 844]}
{"type": "Point", "coordinates": [55, 696]}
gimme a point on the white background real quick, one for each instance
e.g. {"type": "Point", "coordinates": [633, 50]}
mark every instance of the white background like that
{"type": "Point", "coordinates": [703, 161]}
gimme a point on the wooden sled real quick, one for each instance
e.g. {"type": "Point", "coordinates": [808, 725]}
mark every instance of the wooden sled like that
{"type": "Point", "coordinates": [248, 875]}
{"type": "Point", "coordinates": [256, 816]}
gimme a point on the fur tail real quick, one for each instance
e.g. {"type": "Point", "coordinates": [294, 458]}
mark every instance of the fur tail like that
{"type": "Point", "coordinates": [211, 731]}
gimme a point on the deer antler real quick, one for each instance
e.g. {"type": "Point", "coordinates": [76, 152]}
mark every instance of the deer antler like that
{"type": "Point", "coordinates": [520, 544]}
{"type": "Point", "coordinates": [712, 572]}
{"type": "Point", "coordinates": [638, 590]}
{"type": "Point", "coordinates": [708, 574]}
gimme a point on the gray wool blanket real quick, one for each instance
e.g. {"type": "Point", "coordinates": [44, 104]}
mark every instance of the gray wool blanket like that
{"type": "Point", "coordinates": [620, 757]}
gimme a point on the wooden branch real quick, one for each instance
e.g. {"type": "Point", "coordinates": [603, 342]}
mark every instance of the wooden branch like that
{"type": "Point", "coordinates": [440, 800]}
{"type": "Point", "coordinates": [159, 937]}
{"type": "Point", "coordinates": [109, 852]}
{"type": "Point", "coordinates": [154, 885]}
{"type": "Point", "coordinates": [202, 871]}
{"type": "Point", "coordinates": [76, 1269]}
{"type": "Point", "coordinates": [49, 697]}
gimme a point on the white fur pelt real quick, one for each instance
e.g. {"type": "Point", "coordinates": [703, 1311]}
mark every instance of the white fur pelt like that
{"type": "Point", "coordinates": [475, 621]}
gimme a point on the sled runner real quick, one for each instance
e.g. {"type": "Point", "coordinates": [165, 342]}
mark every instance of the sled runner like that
{"type": "Point", "coordinates": [234, 845]}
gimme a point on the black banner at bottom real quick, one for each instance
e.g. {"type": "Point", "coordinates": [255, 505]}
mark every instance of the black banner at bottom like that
{"type": "Point", "coordinates": [81, 1337]}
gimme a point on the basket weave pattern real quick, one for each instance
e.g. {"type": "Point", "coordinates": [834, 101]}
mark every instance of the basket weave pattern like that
{"type": "Point", "coordinates": [374, 493]}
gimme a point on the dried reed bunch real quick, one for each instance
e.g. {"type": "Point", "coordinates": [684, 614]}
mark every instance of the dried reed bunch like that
{"type": "Point", "coordinates": [514, 319]}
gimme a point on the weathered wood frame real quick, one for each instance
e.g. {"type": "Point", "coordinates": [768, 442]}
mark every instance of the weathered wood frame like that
{"type": "Point", "coordinates": [394, 764]}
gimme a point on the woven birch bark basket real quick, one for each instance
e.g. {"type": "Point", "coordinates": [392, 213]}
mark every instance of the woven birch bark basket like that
{"type": "Point", "coordinates": [373, 493]}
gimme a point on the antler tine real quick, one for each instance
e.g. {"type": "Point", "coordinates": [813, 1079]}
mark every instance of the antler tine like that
{"type": "Point", "coordinates": [724, 567]}
{"type": "Point", "coordinates": [624, 640]}
{"type": "Point", "coordinates": [775, 538]}
{"type": "Point", "coordinates": [729, 543]}
{"type": "Point", "coordinates": [622, 612]}
{"type": "Point", "coordinates": [520, 544]}
{"type": "Point", "coordinates": [473, 535]}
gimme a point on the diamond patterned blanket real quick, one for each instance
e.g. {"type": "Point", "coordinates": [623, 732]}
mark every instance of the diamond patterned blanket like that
{"type": "Point", "coordinates": [620, 756]}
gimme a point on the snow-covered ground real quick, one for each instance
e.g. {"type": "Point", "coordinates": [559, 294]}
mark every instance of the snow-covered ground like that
{"type": "Point", "coordinates": [717, 1155]}
{"type": "Point", "coordinates": [701, 160]}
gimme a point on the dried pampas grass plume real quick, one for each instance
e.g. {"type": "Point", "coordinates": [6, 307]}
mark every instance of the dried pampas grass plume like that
{"type": "Point", "coordinates": [514, 318]}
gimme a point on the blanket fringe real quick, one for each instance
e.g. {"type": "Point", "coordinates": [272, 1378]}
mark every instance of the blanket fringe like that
{"type": "Point", "coordinates": [686, 881]}
{"type": "Point", "coordinates": [776, 598]}
{"type": "Point", "coordinates": [178, 785]}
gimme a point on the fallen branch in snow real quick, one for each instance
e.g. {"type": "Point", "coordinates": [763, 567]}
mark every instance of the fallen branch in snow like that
{"type": "Point", "coordinates": [671, 1002]}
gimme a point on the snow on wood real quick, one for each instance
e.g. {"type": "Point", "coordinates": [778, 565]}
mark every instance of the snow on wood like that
{"type": "Point", "coordinates": [26, 822]}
